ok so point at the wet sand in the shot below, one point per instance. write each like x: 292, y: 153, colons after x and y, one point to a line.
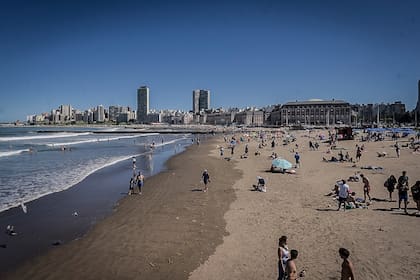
x: 162, y: 234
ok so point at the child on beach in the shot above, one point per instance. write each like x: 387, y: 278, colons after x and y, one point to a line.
x: 140, y: 181
x: 346, y: 267
x: 132, y: 184
x: 291, y: 270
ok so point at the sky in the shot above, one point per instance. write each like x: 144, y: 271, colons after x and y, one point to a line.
x: 247, y: 53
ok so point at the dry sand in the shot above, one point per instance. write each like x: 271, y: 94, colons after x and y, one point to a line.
x: 383, y: 243
x: 231, y: 232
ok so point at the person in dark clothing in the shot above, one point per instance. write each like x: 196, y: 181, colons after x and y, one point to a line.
x: 206, y: 179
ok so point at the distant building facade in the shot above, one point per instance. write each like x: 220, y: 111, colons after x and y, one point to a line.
x: 250, y: 118
x: 316, y: 112
x: 142, y: 104
x: 220, y: 118
x: 201, y: 100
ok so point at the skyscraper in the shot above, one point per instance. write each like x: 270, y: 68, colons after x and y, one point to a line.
x: 418, y: 98
x: 142, y: 104
x: 201, y: 100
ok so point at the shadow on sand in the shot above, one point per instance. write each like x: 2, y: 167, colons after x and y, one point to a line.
x: 326, y: 209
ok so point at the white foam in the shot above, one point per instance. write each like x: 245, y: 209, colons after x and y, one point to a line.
x: 170, y: 142
x: 107, y: 139
x: 79, y: 174
x: 48, y: 136
x: 12, y: 153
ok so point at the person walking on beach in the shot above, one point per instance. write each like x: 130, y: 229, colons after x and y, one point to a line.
x: 140, y: 181
x: 132, y: 184
x: 390, y: 185
x: 347, y: 272
x: 397, y: 149
x: 206, y: 179
x: 358, y: 153
x: 222, y: 152
x: 297, y: 159
x: 415, y: 191
x: 343, y: 194
x: 311, y: 146
x: 284, y: 255
x: 403, y: 190
x: 246, y: 149
x: 366, y: 187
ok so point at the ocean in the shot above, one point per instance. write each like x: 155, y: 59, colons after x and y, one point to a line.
x: 37, y: 161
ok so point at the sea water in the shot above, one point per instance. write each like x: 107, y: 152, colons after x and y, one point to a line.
x: 37, y: 161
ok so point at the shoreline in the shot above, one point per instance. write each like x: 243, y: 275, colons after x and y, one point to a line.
x: 51, y: 218
x: 231, y: 232
x: 172, y: 217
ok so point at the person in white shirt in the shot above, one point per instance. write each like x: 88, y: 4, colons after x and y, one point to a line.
x: 343, y: 193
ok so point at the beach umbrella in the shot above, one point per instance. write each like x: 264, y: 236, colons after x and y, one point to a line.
x: 281, y: 163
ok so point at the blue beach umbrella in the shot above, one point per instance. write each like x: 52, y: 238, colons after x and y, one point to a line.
x: 281, y: 163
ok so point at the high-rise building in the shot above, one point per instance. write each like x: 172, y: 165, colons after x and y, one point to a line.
x: 100, y: 114
x: 65, y: 112
x: 418, y: 98
x: 201, y: 100
x: 142, y: 104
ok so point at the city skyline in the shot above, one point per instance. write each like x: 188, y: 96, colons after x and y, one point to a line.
x: 87, y: 53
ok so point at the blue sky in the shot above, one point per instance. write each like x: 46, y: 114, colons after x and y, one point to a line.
x: 247, y: 53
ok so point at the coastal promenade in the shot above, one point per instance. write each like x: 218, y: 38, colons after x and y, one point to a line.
x: 176, y: 231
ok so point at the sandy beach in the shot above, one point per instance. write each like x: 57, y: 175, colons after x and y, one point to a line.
x: 175, y: 231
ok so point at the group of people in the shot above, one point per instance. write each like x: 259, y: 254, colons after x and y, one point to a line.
x: 288, y: 270
x: 136, y: 181
x: 403, y: 187
x: 345, y: 196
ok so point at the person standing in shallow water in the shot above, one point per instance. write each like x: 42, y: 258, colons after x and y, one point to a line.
x: 347, y: 272
x: 206, y: 179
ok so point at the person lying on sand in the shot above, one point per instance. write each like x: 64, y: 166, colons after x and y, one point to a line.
x: 353, y: 178
x: 333, y: 159
x: 381, y: 154
x: 372, y: 167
